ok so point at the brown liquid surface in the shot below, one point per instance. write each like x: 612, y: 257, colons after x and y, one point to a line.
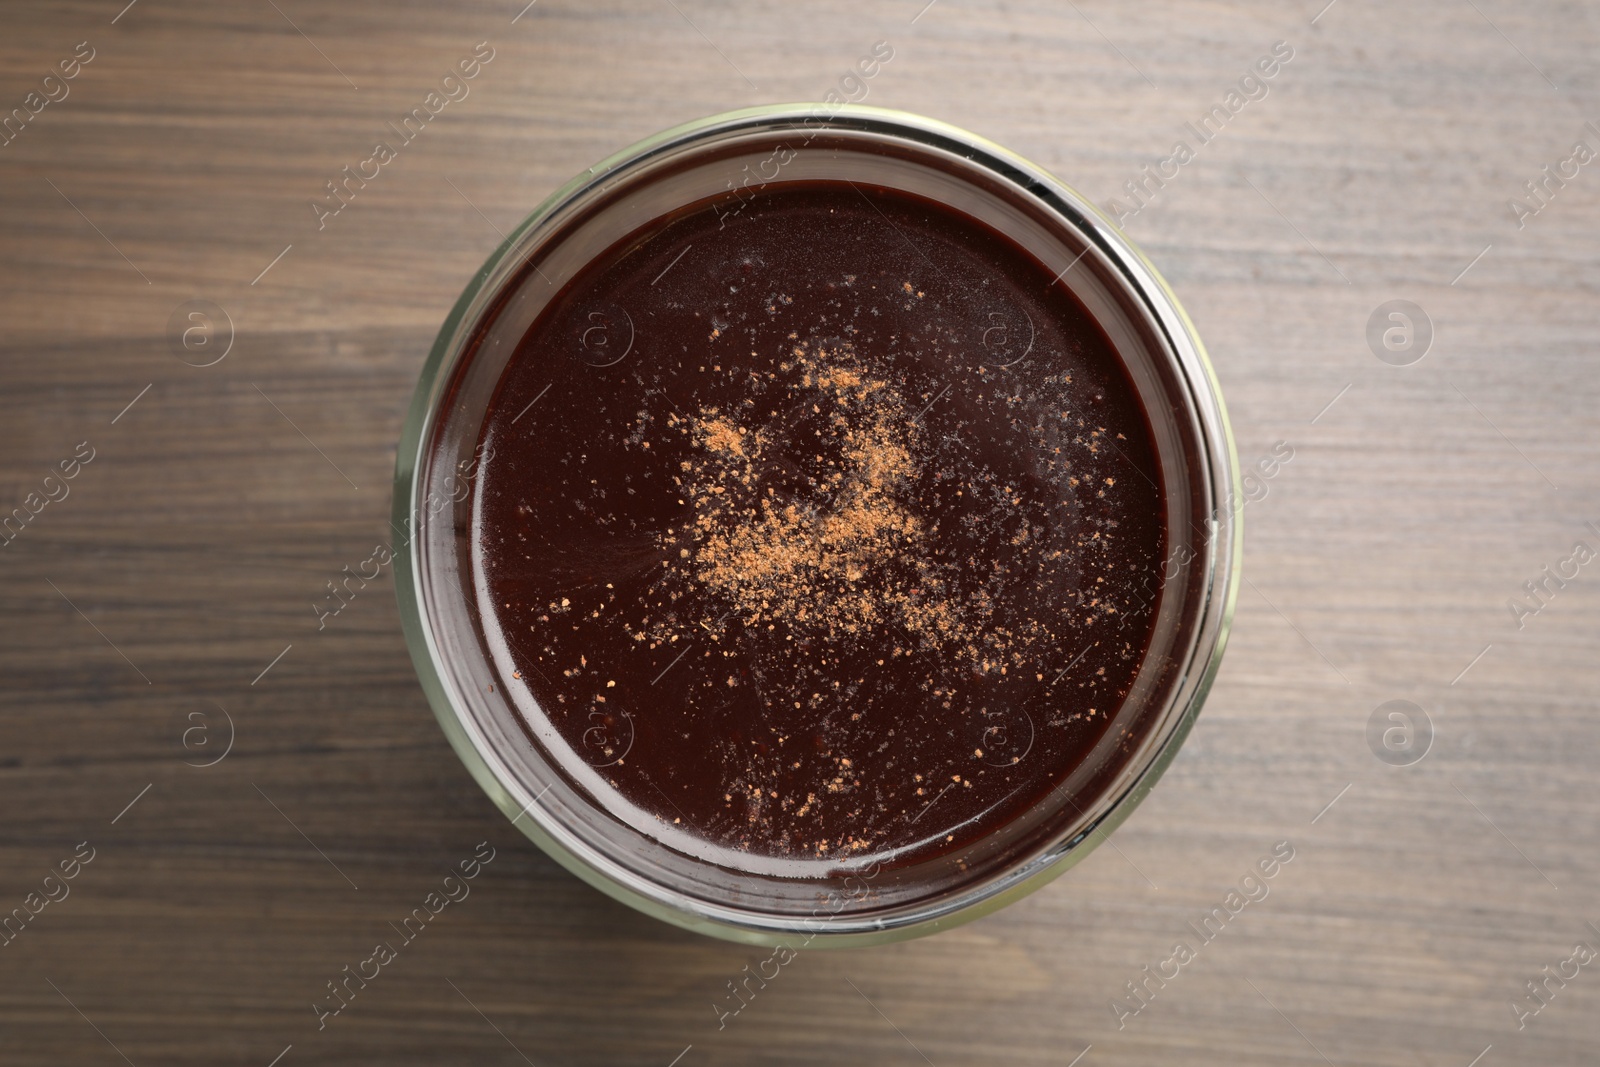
x: 828, y: 531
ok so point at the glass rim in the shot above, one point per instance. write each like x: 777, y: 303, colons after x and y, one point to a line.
x: 1121, y: 265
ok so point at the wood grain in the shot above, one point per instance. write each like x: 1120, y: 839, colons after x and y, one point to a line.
x: 189, y: 551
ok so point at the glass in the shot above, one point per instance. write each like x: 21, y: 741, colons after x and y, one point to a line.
x: 740, y: 153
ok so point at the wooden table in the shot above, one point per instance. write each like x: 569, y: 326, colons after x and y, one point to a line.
x: 170, y: 590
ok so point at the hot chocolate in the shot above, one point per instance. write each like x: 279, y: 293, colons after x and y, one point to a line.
x: 825, y: 531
